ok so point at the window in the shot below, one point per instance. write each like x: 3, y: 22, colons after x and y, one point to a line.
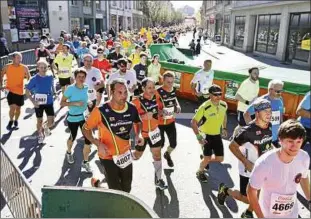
x: 228, y: 2
x: 299, y: 30
x: 227, y: 29
x: 218, y: 2
x: 74, y: 2
x: 268, y: 33
x: 87, y: 3
x: 114, y: 3
x: 27, y: 2
x: 97, y: 2
x: 239, y: 31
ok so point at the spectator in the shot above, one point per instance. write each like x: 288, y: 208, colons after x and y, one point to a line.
x: 154, y: 69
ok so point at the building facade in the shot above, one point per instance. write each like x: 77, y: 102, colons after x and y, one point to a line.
x: 138, y: 16
x: 275, y: 29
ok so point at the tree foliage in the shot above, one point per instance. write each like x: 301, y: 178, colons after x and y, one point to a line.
x: 158, y: 14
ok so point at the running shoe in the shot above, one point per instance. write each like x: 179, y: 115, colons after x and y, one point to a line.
x: 201, y: 176
x: 222, y: 193
x: 87, y: 167
x: 40, y: 138
x: 70, y: 159
x: 169, y: 160
x: 95, y: 182
x: 47, y: 131
x: 16, y: 124
x: 160, y: 184
x: 247, y: 214
x: 207, y: 166
x: 9, y: 126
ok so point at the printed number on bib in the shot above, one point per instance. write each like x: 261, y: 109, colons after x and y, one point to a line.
x: 64, y: 71
x: 41, y: 99
x: 123, y: 160
x: 282, y: 205
x: 168, y: 112
x: 276, y: 117
x: 91, y: 94
x: 155, y: 136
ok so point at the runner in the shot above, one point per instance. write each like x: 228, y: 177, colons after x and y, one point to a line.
x: 154, y: 69
x: 148, y: 106
x: 245, y: 95
x: 15, y: 73
x: 94, y: 81
x: 209, y: 124
x: 76, y: 98
x: 202, y: 81
x: 102, y: 63
x: 63, y: 63
x: 40, y: 91
x: 141, y: 71
x: 250, y: 143
x: 135, y: 57
x: 114, y: 121
x: 128, y: 75
x: 167, y: 94
x: 115, y: 56
x: 277, y: 175
x: 52, y: 50
x: 42, y: 53
x: 275, y: 88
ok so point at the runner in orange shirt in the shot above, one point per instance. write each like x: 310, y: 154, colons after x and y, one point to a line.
x: 167, y: 95
x: 149, y: 106
x: 114, y: 121
x: 15, y: 75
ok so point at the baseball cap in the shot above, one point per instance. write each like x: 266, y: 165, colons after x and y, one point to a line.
x: 215, y: 90
x: 261, y: 104
x: 68, y: 46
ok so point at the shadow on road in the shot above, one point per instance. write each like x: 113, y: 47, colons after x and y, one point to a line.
x: 31, y: 146
x: 208, y: 190
x: 71, y: 174
x: 29, y: 112
x: 6, y: 137
x: 162, y: 205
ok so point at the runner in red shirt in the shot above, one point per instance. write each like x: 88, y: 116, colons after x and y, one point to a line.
x: 102, y: 63
x: 109, y: 43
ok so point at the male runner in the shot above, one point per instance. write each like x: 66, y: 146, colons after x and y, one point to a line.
x: 15, y: 73
x: 278, y: 173
x: 209, y: 124
x: 141, y: 71
x: 167, y: 94
x: 114, y: 121
x: 251, y: 142
x: 148, y: 106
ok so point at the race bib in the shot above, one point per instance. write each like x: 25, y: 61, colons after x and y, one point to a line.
x: 275, y: 118
x: 155, y: 136
x: 41, y: 99
x: 204, y: 89
x: 168, y: 112
x: 91, y: 94
x: 123, y: 160
x: 282, y: 205
x: 64, y: 71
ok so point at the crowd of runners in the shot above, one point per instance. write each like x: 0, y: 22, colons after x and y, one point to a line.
x: 115, y: 96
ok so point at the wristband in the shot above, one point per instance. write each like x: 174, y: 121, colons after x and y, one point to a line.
x: 199, y: 137
x: 246, y: 102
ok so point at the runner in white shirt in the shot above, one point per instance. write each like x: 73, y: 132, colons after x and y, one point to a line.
x: 128, y: 75
x: 277, y: 174
x: 94, y: 80
x: 202, y: 81
x: 246, y: 94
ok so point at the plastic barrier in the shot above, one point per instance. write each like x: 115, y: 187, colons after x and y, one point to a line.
x: 74, y: 202
x: 16, y: 191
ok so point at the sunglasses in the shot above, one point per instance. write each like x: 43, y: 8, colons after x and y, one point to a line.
x: 87, y: 60
x: 122, y: 66
x: 217, y: 94
x: 278, y: 91
x: 100, y: 52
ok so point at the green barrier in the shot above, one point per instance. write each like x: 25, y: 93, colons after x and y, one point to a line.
x: 168, y: 51
x: 293, y: 88
x: 186, y: 52
x: 74, y: 202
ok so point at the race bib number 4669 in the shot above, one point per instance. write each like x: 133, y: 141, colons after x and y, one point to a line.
x: 282, y: 205
x: 123, y: 160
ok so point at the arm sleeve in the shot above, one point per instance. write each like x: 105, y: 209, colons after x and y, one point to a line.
x: 242, y: 89
x: 199, y: 114
x: 306, y: 164
x: 258, y: 174
x: 305, y: 103
x: 136, y: 118
x: 67, y: 92
x: 94, y: 119
x: 242, y: 137
x: 195, y: 78
x: 251, y: 110
x: 31, y: 84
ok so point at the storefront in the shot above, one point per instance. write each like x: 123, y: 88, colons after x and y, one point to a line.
x: 239, y: 31
x: 28, y: 20
x: 298, y: 36
x: 268, y: 33
x: 227, y: 29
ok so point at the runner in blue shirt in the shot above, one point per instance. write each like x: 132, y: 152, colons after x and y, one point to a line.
x: 39, y: 90
x: 76, y: 98
x: 275, y: 88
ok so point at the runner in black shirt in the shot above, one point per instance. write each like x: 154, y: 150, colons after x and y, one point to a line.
x: 141, y: 70
x: 115, y: 56
x: 248, y: 145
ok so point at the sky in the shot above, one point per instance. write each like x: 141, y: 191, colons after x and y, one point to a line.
x: 195, y: 4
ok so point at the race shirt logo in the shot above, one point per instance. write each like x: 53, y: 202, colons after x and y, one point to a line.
x: 298, y: 178
x: 111, y: 119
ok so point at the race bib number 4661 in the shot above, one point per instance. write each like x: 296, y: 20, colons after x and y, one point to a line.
x: 282, y: 205
x: 123, y: 160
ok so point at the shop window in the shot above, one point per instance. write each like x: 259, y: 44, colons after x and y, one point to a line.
x: 87, y: 3
x: 268, y: 33
x: 239, y: 31
x: 97, y: 3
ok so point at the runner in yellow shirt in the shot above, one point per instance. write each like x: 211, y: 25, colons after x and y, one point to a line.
x: 135, y: 57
